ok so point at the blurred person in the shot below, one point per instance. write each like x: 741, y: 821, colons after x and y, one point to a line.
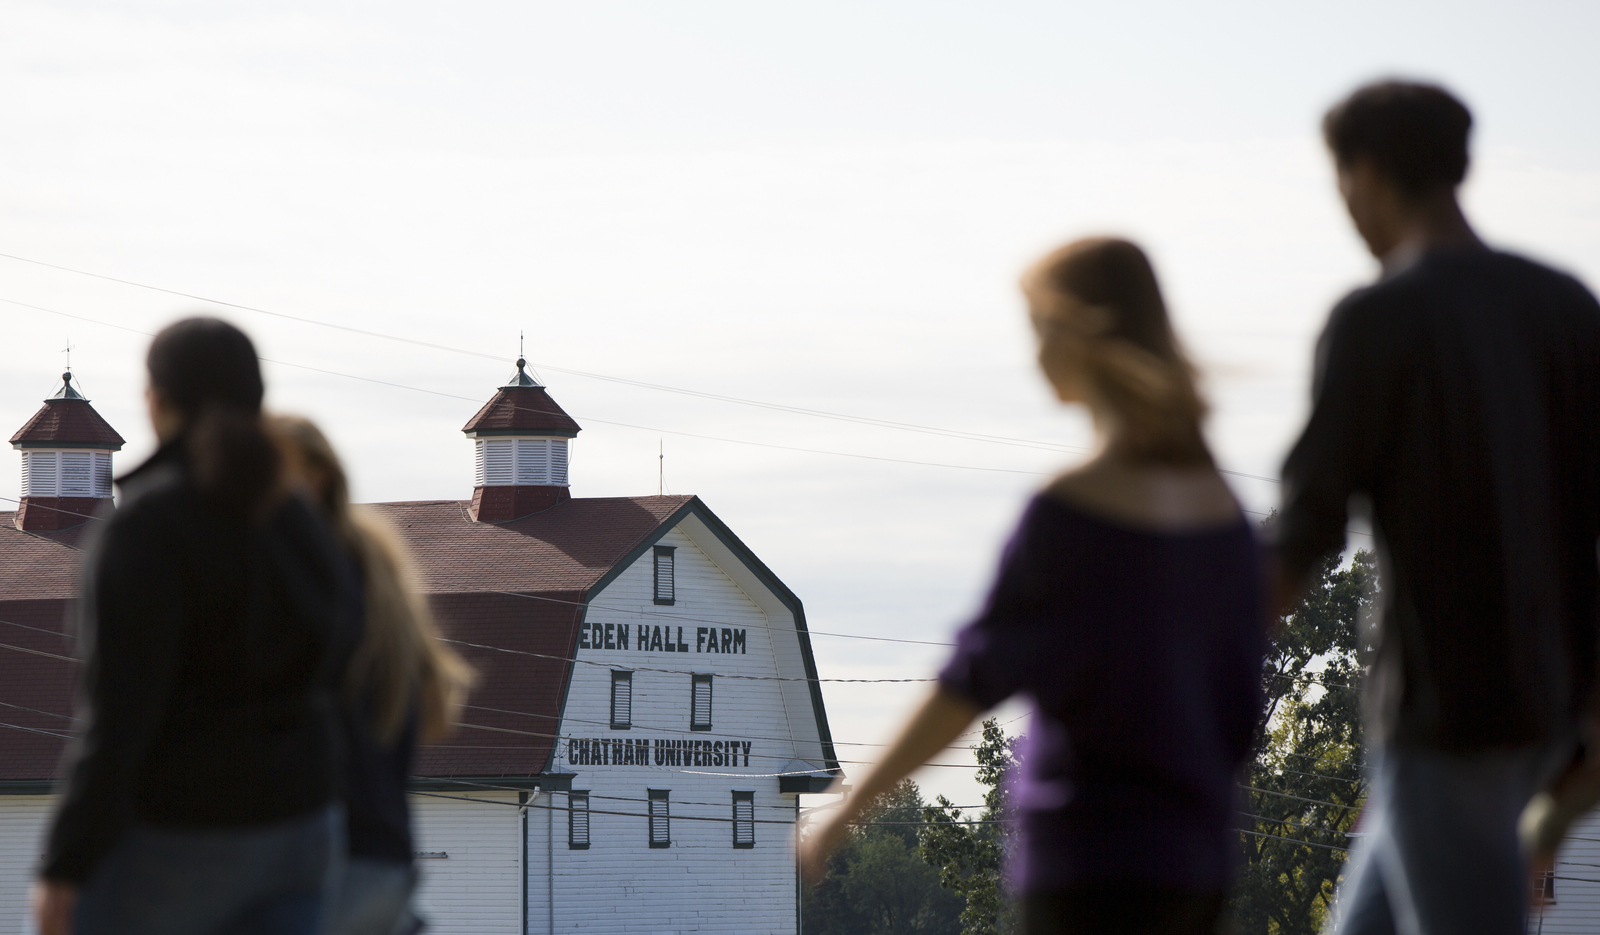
x: 216, y: 614
x: 1454, y: 403
x: 1129, y: 610
x: 402, y: 685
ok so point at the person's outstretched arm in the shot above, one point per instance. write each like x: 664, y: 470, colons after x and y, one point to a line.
x: 940, y: 720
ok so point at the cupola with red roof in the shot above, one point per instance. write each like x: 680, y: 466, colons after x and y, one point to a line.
x: 66, y: 461
x: 522, y: 440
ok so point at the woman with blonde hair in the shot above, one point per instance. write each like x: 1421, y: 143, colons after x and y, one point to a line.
x: 1128, y: 611
x: 402, y: 686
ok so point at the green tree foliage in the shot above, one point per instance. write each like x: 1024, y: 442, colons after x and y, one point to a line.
x: 877, y: 884
x: 969, y: 853
x: 1307, y: 776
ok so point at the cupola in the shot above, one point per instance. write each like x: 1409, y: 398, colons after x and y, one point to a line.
x: 66, y: 461
x: 522, y: 439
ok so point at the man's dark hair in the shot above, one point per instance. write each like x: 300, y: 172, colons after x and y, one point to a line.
x: 1415, y: 134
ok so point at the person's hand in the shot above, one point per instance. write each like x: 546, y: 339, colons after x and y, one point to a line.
x: 821, y: 839
x: 53, y: 903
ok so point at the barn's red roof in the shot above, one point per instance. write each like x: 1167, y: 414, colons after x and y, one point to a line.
x: 517, y: 587
x: 66, y: 419
x: 522, y: 406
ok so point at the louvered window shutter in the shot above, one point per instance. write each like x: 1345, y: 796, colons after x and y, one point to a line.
x: 558, y: 462
x: 42, y: 474
x: 578, y: 820
x: 533, y: 461
x: 102, y: 474
x: 478, y: 472
x: 621, y: 700
x: 660, y: 830
x: 26, y: 490
x: 77, y: 474
x: 744, y: 819
x: 666, y: 586
x: 700, y: 704
x: 497, y: 459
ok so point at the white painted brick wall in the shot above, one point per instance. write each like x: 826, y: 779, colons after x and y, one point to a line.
x: 22, y: 825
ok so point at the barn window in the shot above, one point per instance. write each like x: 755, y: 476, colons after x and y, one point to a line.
x: 700, y: 702
x: 666, y: 590
x: 1546, y: 894
x: 621, y: 700
x: 578, y: 821
x: 744, y: 819
x: 660, y: 831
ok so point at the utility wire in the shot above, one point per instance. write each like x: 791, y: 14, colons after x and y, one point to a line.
x: 865, y: 420
x: 666, y: 616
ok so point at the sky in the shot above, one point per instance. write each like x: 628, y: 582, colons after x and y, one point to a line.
x: 822, y: 206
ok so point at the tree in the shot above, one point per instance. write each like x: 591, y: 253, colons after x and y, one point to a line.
x: 876, y: 883
x: 1306, y: 780
x: 968, y: 853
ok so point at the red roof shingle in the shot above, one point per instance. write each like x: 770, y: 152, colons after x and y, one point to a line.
x: 514, y: 586
x: 67, y: 421
x: 521, y: 409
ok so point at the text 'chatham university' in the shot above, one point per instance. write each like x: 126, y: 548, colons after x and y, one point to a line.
x: 660, y: 639
x: 640, y: 751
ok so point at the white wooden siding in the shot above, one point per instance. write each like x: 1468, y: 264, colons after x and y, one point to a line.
x: 701, y: 883
x: 477, y: 889
x: 22, y: 821
x: 1577, y: 907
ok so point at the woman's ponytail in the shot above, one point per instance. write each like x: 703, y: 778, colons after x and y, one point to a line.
x: 1100, y: 303
x: 207, y: 370
x: 233, y: 462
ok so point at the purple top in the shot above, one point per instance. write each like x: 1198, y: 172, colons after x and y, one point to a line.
x: 1141, y: 652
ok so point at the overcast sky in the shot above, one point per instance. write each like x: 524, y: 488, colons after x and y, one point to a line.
x: 822, y: 206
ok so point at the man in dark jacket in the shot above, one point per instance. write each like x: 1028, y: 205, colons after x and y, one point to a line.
x: 1455, y: 402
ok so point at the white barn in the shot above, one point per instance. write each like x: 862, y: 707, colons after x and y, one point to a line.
x: 647, y: 717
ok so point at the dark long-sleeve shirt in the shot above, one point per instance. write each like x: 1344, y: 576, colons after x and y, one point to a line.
x: 1141, y: 653
x: 1460, y: 398
x: 211, y: 647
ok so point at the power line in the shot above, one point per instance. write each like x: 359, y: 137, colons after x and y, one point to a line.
x: 1279, y: 837
x: 608, y: 665
x: 37, y: 652
x: 665, y: 616
x: 1285, y: 795
x: 865, y: 420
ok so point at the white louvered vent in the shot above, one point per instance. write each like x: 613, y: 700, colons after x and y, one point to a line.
x: 66, y: 474
x: 558, y: 462
x: 498, y: 456
x: 42, y: 474
x: 621, y: 700
x: 529, y: 462
x: 77, y: 474
x: 533, y: 460
x: 744, y: 819
x: 578, y: 820
x: 102, y: 474
x: 700, y: 702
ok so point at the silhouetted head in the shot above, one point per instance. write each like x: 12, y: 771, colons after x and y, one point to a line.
x: 206, y: 390
x: 1413, y: 134
x: 1104, y: 339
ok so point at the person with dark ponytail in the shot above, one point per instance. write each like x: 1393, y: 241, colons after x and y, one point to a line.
x: 217, y: 614
x: 1129, y: 610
